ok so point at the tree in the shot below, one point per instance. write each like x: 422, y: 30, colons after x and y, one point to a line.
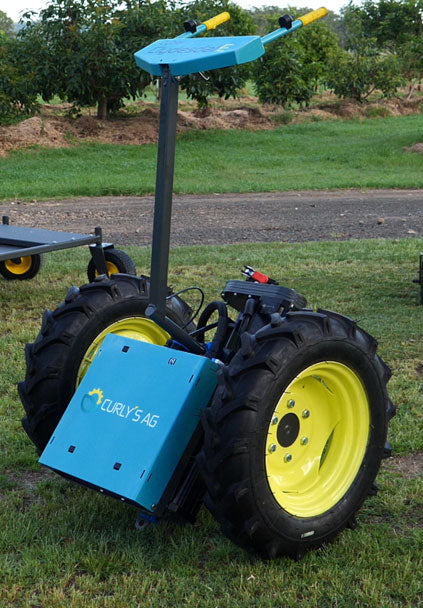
x: 394, y: 26
x: 412, y: 65
x: 17, y: 91
x: 356, y: 75
x: 390, y: 22
x: 83, y: 50
x: 6, y: 24
x: 363, y: 67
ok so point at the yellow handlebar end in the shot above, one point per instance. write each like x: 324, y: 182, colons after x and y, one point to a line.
x: 212, y: 23
x: 314, y: 15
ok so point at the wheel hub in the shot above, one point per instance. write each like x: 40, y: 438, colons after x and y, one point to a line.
x: 288, y: 430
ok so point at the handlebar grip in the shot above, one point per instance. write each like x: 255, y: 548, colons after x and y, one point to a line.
x: 212, y: 23
x: 313, y: 15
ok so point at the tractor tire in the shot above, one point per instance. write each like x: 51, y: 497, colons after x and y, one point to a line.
x: 117, y: 261
x: 21, y: 268
x: 295, y: 433
x: 71, y: 335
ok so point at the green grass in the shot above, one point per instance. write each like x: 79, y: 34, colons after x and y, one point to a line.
x: 367, y: 154
x: 62, y: 545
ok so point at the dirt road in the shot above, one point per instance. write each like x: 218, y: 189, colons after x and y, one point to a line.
x: 234, y: 218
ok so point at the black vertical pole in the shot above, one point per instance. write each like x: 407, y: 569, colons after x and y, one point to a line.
x: 164, y: 187
x: 156, y: 309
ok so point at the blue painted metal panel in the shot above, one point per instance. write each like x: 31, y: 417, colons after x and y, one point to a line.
x: 131, y: 418
x: 191, y: 55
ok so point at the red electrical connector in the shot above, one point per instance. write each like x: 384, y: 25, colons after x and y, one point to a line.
x: 256, y: 276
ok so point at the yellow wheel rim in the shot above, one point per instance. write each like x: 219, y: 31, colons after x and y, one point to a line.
x: 20, y: 267
x: 111, y: 269
x: 137, y: 328
x: 317, y: 438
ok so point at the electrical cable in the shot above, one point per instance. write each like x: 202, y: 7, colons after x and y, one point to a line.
x: 203, y: 330
x: 219, y: 338
x: 194, y: 287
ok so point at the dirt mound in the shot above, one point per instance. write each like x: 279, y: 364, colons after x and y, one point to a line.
x: 243, y: 117
x: 53, y: 127
x: 415, y: 148
x: 33, y: 131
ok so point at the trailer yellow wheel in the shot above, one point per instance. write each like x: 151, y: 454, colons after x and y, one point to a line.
x: 117, y: 261
x: 21, y: 268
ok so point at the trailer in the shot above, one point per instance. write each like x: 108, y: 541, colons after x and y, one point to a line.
x: 22, y: 250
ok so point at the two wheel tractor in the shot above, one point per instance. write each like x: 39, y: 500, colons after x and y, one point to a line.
x: 278, y: 424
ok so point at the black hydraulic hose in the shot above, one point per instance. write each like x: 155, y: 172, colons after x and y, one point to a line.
x: 220, y: 335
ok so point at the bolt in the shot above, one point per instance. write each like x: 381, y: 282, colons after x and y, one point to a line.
x: 291, y: 403
x: 288, y: 458
x: 272, y: 448
x: 153, y: 507
x: 304, y: 440
x: 275, y: 420
x: 305, y: 414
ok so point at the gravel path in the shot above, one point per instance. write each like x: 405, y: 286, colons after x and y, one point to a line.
x: 236, y: 218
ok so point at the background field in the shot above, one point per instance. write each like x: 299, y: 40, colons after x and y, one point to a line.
x: 63, y: 545
x: 321, y: 155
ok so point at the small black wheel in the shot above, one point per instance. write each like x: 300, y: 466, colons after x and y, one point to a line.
x: 117, y: 262
x: 296, y: 432
x: 70, y: 337
x: 21, y: 268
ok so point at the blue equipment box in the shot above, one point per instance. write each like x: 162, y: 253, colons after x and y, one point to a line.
x: 131, y: 419
x: 190, y: 55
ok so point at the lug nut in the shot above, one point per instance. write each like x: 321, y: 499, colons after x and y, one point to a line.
x: 305, y: 414
x: 304, y: 440
x: 288, y: 458
x: 275, y: 420
x: 291, y: 403
x: 272, y: 448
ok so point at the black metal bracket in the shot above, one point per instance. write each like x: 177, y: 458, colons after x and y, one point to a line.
x: 97, y: 252
x: 176, y: 332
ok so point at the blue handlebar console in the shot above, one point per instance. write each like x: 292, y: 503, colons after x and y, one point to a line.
x: 190, y: 55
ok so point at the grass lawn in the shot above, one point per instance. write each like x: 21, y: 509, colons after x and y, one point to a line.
x: 63, y: 545
x: 334, y: 154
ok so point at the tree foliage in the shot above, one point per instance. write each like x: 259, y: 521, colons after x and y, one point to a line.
x: 82, y: 50
x: 17, y: 90
x: 356, y: 75
x: 7, y: 26
x: 390, y: 23
x: 385, y: 40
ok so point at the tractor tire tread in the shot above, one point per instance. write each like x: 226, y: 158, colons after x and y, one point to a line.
x: 230, y: 420
x: 51, y: 358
